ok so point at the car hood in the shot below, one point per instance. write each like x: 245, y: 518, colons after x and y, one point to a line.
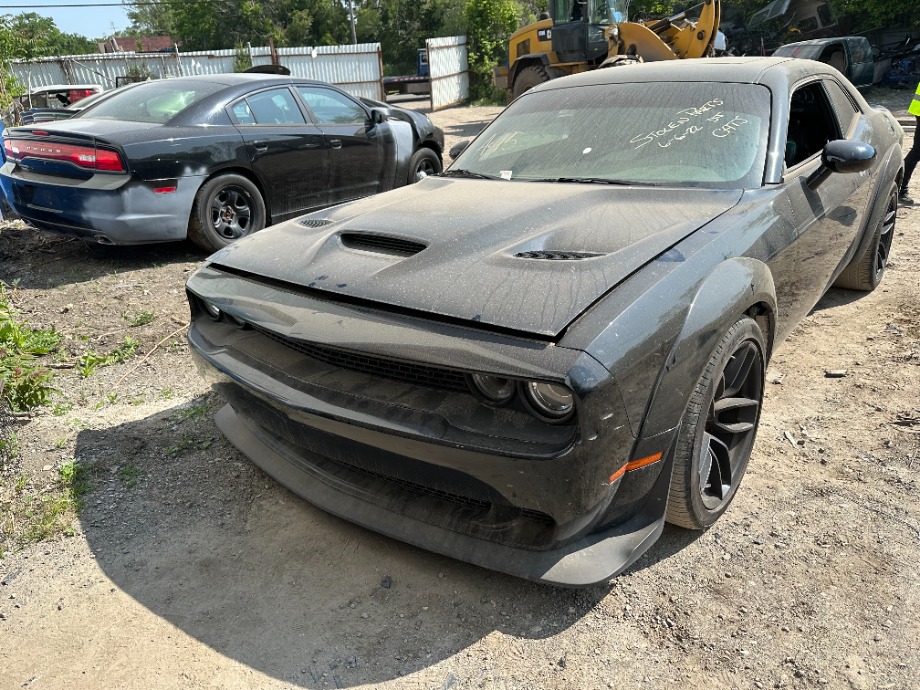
x: 481, y: 251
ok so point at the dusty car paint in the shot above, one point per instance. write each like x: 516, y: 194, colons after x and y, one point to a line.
x: 629, y: 333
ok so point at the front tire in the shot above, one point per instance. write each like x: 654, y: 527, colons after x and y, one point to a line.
x: 866, y: 272
x: 528, y: 78
x: 227, y: 208
x: 718, y: 428
x: 424, y: 162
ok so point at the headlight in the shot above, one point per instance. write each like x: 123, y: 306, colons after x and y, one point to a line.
x: 550, y: 399
x: 211, y: 309
x: 495, y: 389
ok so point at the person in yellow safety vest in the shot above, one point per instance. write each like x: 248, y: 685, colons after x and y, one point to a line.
x: 910, y: 160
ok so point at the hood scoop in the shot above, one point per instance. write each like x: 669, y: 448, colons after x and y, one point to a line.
x: 556, y: 255
x: 315, y: 222
x: 380, y: 244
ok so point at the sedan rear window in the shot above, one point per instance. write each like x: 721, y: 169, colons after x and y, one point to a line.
x: 157, y: 101
x: 662, y: 133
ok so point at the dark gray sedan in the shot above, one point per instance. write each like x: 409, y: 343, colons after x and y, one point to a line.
x: 534, y: 360
x: 213, y: 158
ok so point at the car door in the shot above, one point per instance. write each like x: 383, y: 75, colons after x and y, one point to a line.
x: 862, y: 66
x: 357, y: 146
x: 826, y: 213
x: 289, y: 154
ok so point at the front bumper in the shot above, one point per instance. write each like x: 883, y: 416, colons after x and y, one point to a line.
x: 589, y: 560
x: 433, y: 467
x: 110, y: 209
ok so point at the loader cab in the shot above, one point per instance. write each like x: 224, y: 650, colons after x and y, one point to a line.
x: 579, y: 27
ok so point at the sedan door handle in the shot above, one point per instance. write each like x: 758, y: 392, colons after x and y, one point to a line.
x: 261, y: 146
x: 335, y: 143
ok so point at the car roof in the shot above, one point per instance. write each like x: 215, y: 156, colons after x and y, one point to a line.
x: 748, y: 70
x: 238, y: 78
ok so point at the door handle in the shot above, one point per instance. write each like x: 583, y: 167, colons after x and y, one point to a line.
x: 261, y: 146
x: 335, y: 143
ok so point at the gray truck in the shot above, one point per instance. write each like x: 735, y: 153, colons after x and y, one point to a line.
x: 851, y: 55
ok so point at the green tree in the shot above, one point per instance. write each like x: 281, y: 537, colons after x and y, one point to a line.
x: 489, y: 24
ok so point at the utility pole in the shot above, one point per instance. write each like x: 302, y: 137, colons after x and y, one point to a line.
x: 351, y: 16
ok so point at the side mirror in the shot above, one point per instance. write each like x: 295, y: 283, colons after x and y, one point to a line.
x: 458, y: 148
x: 378, y: 115
x: 845, y: 156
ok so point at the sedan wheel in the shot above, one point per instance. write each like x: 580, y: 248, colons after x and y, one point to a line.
x: 718, y: 429
x: 227, y: 208
x: 424, y: 162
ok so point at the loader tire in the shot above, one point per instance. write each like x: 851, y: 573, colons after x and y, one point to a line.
x: 528, y: 78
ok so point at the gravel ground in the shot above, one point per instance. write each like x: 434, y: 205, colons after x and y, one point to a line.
x: 189, y: 568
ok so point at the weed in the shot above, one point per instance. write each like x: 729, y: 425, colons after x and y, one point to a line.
x: 167, y: 394
x: 27, y: 382
x: 61, y: 408
x: 191, y: 412
x: 89, y: 362
x: 61, y: 443
x: 31, y: 513
x: 138, y: 318
x: 129, y: 475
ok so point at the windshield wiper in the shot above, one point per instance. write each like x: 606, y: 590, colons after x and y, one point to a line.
x: 599, y: 180
x: 460, y: 172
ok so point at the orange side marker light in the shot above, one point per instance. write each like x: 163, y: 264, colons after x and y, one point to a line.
x: 635, y: 465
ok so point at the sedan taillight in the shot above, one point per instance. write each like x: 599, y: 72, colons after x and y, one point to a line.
x: 87, y: 157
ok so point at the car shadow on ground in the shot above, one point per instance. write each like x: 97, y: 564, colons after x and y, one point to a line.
x: 188, y: 527
x: 28, y: 255
x: 836, y: 297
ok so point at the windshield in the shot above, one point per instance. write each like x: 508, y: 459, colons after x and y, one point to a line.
x: 155, y: 101
x: 661, y: 133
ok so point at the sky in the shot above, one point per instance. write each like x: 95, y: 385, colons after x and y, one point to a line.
x: 92, y: 22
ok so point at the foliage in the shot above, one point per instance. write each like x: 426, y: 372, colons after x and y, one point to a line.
x: 30, y: 35
x: 489, y: 24
x: 27, y: 384
x: 88, y: 362
x: 874, y: 14
x: 242, y: 60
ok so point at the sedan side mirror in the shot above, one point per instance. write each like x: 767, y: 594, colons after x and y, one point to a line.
x: 378, y: 115
x: 458, y: 148
x: 846, y: 156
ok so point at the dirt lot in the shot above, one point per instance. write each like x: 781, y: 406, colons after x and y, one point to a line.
x: 189, y: 568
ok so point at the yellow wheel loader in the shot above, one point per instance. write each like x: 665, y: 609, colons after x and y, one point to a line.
x: 580, y: 35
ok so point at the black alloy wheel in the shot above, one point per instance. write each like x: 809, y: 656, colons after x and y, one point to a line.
x: 718, y: 429
x: 227, y: 208
x: 424, y: 162
x: 231, y: 215
x: 866, y: 271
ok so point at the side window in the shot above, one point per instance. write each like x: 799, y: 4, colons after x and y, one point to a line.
x: 812, y: 124
x: 843, y: 106
x: 859, y: 50
x: 332, y: 108
x: 242, y: 113
x: 272, y: 107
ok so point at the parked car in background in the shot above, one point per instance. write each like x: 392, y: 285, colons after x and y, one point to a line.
x: 850, y: 55
x: 53, y: 99
x: 533, y: 360
x: 212, y: 158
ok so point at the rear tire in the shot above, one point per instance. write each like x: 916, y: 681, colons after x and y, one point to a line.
x: 718, y: 428
x: 227, y: 208
x: 866, y: 272
x: 424, y: 162
x: 528, y: 78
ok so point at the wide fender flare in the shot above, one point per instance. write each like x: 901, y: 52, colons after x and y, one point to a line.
x: 737, y: 286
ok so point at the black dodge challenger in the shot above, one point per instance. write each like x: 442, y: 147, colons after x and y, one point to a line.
x: 535, y: 359
x: 213, y: 158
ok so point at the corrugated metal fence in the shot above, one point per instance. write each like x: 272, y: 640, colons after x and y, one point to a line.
x: 449, y: 71
x: 355, y: 68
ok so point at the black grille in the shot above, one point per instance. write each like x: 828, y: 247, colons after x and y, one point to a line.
x: 549, y: 255
x: 378, y: 366
x: 381, y: 244
x: 315, y: 222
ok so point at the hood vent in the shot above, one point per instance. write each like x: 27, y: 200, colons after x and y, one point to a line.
x: 381, y: 244
x: 550, y: 255
x: 315, y: 222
